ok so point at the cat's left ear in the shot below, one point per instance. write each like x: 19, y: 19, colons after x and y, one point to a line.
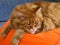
x: 39, y: 13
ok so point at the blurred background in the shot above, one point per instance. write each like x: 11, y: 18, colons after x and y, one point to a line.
x: 6, y: 7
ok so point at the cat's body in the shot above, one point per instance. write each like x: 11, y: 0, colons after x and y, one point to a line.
x: 33, y: 18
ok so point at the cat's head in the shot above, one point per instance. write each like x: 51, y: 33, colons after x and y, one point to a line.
x: 23, y: 18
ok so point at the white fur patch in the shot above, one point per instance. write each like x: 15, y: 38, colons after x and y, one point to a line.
x: 34, y: 29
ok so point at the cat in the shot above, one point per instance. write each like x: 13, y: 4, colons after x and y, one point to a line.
x: 33, y: 18
x: 23, y: 20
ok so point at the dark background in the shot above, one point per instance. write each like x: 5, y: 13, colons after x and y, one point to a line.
x: 6, y: 7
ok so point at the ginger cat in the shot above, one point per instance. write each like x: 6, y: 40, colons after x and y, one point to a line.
x: 33, y: 18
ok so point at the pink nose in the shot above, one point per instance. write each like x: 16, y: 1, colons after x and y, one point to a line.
x: 32, y: 31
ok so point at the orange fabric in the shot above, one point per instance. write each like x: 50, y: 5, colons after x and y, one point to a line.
x: 44, y: 38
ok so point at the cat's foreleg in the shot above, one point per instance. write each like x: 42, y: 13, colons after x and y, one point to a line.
x: 17, y: 36
x: 5, y: 31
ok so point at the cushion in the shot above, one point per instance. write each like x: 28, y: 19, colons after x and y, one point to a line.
x: 43, y: 38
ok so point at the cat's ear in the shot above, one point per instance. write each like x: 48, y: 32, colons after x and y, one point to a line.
x: 39, y: 13
x: 31, y: 5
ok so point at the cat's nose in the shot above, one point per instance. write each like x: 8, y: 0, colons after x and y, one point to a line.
x: 32, y: 31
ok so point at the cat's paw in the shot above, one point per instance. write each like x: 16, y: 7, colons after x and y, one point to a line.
x: 3, y: 35
x: 15, y: 42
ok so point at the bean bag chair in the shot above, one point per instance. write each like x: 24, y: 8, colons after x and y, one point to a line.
x: 44, y: 38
